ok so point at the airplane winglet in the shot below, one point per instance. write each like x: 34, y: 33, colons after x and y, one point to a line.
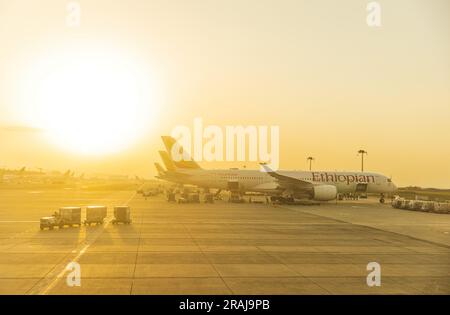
x: 266, y: 168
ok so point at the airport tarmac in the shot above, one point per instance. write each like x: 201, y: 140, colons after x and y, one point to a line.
x: 221, y: 248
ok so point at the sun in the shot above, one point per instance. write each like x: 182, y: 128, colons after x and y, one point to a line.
x: 92, y: 103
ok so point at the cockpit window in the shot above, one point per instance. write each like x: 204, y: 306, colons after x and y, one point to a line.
x: 389, y: 180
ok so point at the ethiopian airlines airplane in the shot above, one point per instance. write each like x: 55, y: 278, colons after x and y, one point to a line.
x: 281, y: 185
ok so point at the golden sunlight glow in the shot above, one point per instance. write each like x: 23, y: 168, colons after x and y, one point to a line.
x: 91, y: 104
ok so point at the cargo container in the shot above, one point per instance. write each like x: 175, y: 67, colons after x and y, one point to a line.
x: 194, y: 197
x: 70, y: 216
x: 171, y: 197
x: 189, y: 198
x: 397, y: 202
x: 236, y: 197
x: 95, y: 214
x: 417, y: 204
x: 209, y: 198
x: 410, y: 204
x: 122, y: 214
x: 428, y: 206
x: 404, y: 204
x: 441, y: 207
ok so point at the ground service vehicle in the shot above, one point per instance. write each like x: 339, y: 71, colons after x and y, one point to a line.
x: 235, y: 197
x: 150, y: 192
x: 48, y: 222
x: 209, y: 198
x: 189, y: 198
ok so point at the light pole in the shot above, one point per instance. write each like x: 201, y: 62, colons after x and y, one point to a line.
x: 362, y: 152
x: 310, y: 159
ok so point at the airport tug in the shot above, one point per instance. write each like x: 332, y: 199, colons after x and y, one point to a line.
x: 66, y: 216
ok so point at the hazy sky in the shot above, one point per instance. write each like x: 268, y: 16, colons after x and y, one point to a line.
x: 315, y: 68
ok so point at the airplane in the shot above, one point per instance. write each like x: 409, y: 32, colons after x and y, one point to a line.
x: 39, y: 175
x: 171, y: 173
x: 69, y: 173
x: 280, y: 185
x: 11, y: 175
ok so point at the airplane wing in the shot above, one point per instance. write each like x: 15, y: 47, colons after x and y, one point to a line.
x: 285, y: 181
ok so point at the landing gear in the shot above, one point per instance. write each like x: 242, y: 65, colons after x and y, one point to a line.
x: 382, y: 198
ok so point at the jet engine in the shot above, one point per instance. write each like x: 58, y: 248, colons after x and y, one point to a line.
x: 324, y: 192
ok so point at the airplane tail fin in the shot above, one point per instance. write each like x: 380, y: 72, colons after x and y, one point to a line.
x: 159, y: 169
x: 168, y: 142
x: 168, y: 163
x: 187, y: 163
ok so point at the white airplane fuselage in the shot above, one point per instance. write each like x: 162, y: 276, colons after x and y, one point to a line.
x: 259, y: 181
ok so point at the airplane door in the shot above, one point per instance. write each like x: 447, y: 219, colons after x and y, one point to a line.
x: 361, y: 187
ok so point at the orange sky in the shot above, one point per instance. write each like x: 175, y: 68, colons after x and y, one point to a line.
x: 332, y: 84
